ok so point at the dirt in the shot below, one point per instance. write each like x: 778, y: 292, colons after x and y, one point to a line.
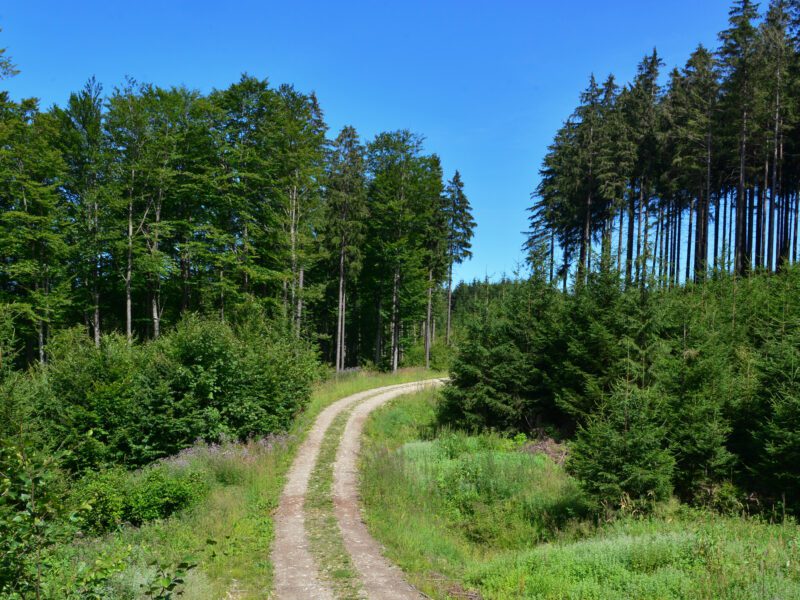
x: 548, y: 446
x: 296, y: 572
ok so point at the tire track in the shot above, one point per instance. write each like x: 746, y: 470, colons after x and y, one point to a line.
x: 297, y: 575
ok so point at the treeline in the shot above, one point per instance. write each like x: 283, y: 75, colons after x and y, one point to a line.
x: 692, y: 390
x: 122, y: 212
x: 696, y: 175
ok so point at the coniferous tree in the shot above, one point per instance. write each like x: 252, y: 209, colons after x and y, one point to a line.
x: 460, y: 229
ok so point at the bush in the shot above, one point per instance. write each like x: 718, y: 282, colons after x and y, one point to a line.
x: 620, y: 456
x: 101, y: 499
x: 130, y: 405
x: 109, y: 498
x: 157, y: 493
x: 32, y: 515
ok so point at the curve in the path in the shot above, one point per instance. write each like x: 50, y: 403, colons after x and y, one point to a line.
x: 296, y: 572
x: 381, y: 579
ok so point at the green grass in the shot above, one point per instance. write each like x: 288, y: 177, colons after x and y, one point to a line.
x: 460, y: 512
x: 323, y: 529
x: 236, y: 514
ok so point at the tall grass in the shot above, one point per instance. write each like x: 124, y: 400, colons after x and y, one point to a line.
x: 461, y: 513
x: 245, y: 484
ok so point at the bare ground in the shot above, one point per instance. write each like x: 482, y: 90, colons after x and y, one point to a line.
x: 296, y: 572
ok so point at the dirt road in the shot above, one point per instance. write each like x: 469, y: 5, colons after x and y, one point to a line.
x: 297, y: 575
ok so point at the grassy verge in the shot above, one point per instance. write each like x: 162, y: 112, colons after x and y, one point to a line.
x: 476, y: 513
x: 245, y: 481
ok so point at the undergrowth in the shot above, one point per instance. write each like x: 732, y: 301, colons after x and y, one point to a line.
x: 459, y: 512
x: 224, y: 531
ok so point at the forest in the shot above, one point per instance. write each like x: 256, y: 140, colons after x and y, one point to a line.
x: 123, y: 212
x: 662, y: 313
x: 681, y: 173
x: 180, y: 268
x: 201, y: 291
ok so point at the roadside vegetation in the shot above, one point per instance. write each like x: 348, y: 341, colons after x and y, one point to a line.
x: 192, y: 515
x: 493, y: 515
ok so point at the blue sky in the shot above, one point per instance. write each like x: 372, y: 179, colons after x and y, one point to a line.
x: 487, y: 83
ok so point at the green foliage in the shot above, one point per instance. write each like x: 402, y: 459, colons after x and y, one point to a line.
x: 122, y: 404
x: 168, y: 579
x: 32, y: 515
x: 109, y: 498
x: 620, y: 456
x: 675, y: 552
x: 711, y: 367
x: 157, y: 493
x: 501, y: 375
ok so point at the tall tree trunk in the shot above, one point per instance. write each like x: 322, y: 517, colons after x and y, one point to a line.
x: 646, y: 241
x: 796, y: 226
x: 156, y: 295
x: 340, y: 312
x: 129, y: 275
x: 689, y: 242
x: 629, y: 249
x: 395, y: 330
x: 751, y: 214
x: 657, y: 242
x: 725, y: 236
x: 761, y: 218
x: 718, y: 196
x: 619, y: 239
x: 95, y: 276
x: 449, y: 302
x: 379, y: 332
x: 741, y: 262
x: 583, y: 261
x: 731, y: 237
x: 300, y: 279
x: 638, y: 269
x: 428, y: 321
x: 678, y: 236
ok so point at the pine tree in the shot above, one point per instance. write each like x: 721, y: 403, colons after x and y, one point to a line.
x: 460, y: 230
x: 737, y: 57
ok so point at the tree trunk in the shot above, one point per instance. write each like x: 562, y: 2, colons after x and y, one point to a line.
x: 619, y: 239
x: 689, y: 242
x: 428, y: 321
x: 725, y: 236
x: 128, y: 275
x: 657, y: 242
x: 395, y: 330
x: 96, y: 278
x: 340, y: 312
x: 638, y: 269
x: 796, y: 226
x: 449, y: 302
x: 300, y: 278
x: 379, y: 332
x: 678, y: 235
x: 583, y: 261
x: 629, y: 249
x: 741, y: 262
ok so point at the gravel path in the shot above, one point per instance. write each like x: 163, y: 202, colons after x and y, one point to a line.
x: 296, y: 573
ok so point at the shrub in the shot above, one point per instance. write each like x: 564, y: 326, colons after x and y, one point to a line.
x: 108, y: 498
x: 31, y: 515
x: 130, y: 405
x: 101, y: 499
x: 157, y: 493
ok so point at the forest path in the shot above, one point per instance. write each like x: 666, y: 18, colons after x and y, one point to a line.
x: 297, y: 575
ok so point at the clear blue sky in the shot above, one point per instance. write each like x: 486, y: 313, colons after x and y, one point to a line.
x: 487, y: 83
